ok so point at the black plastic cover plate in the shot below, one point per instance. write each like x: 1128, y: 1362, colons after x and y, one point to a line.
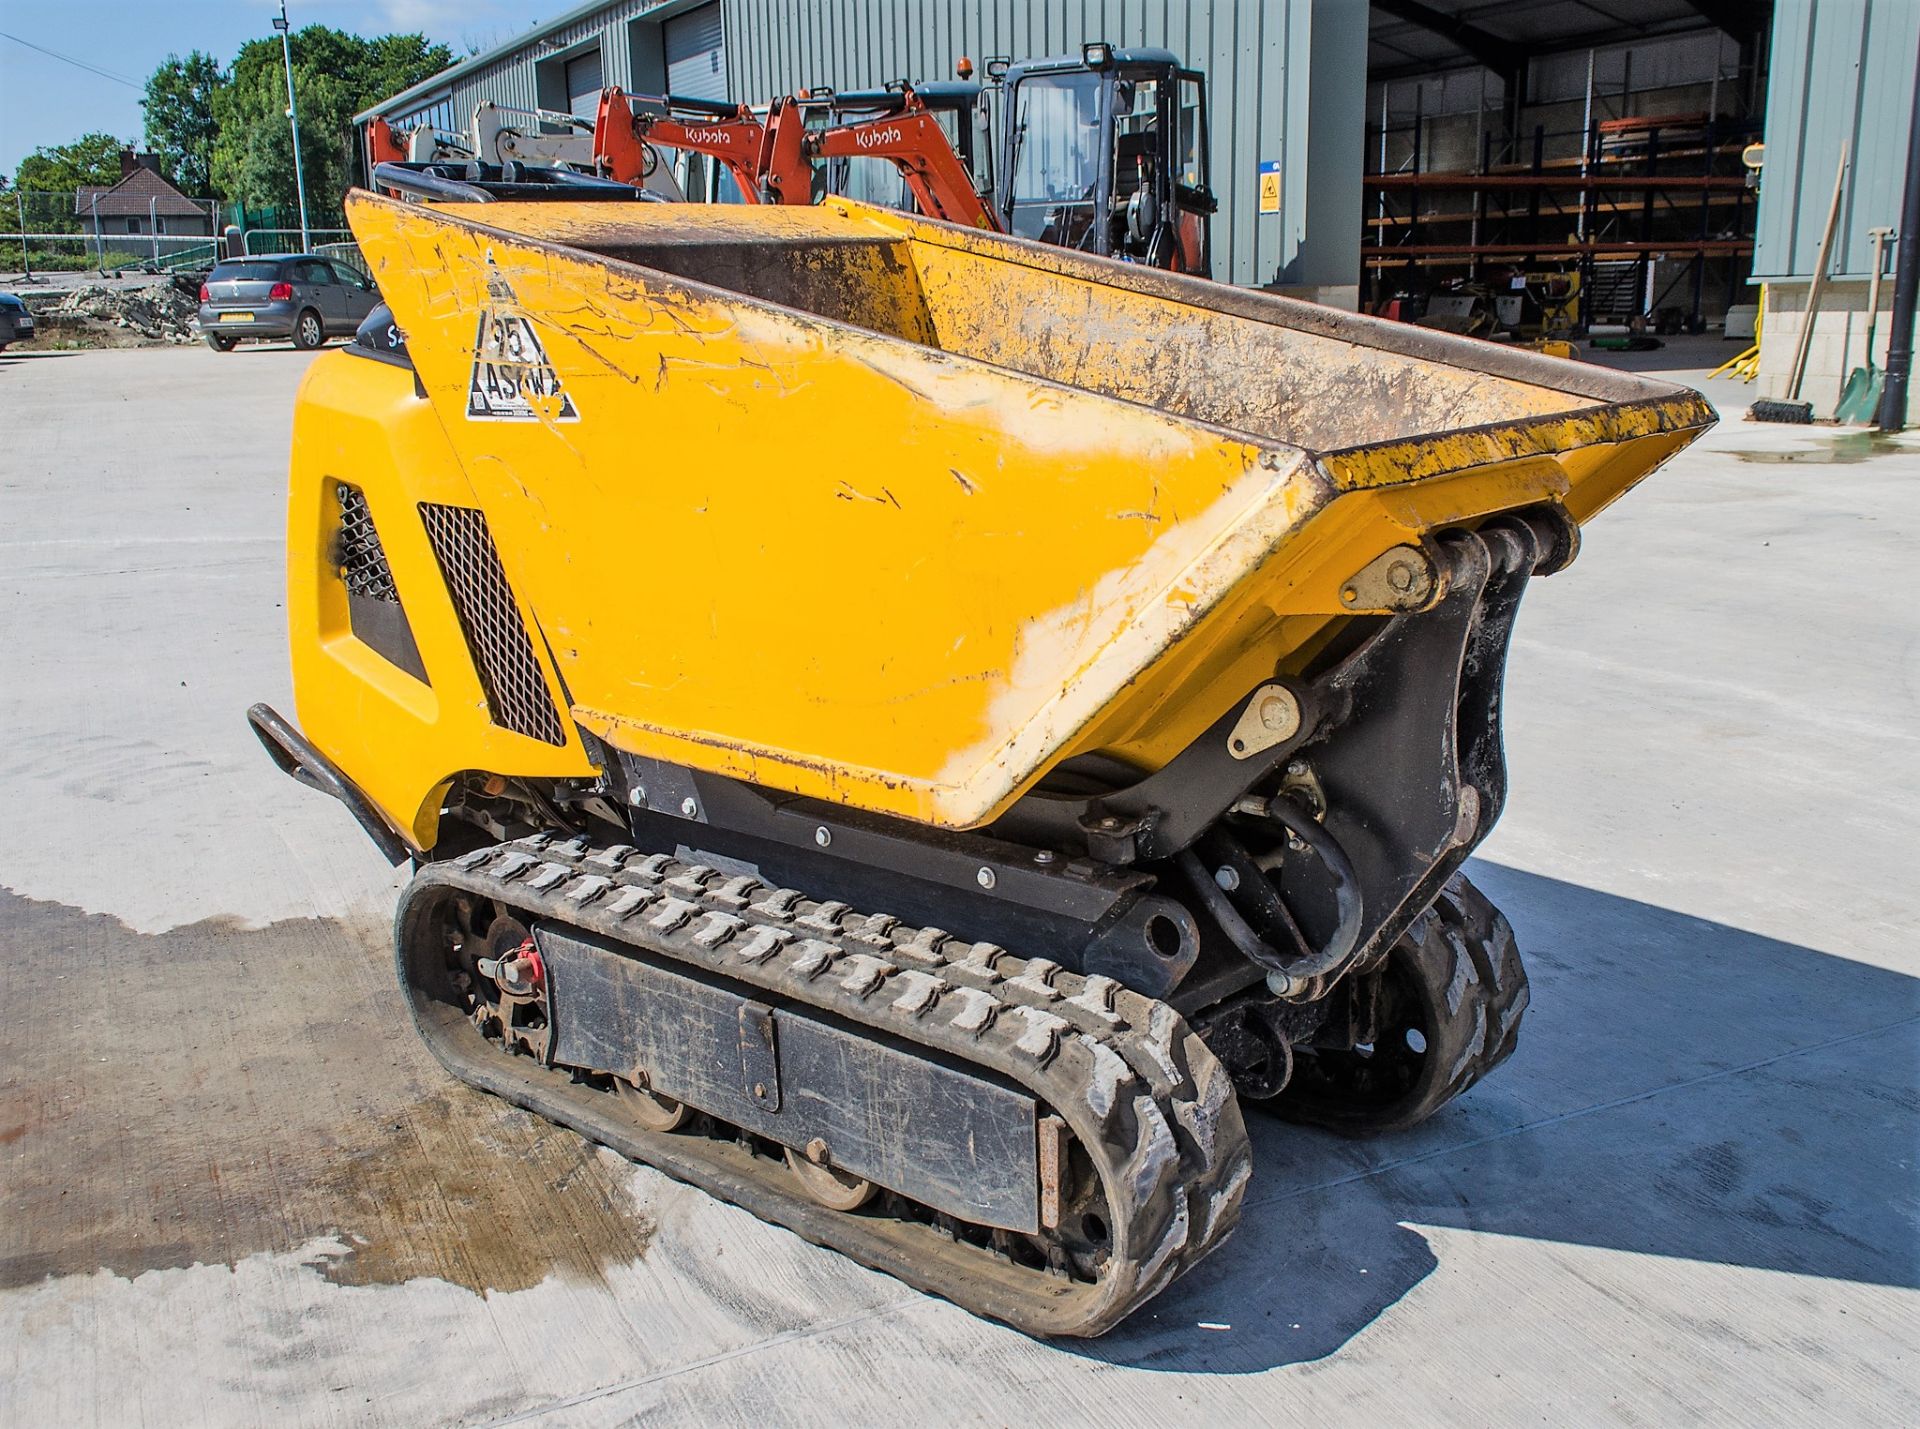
x: 954, y: 1140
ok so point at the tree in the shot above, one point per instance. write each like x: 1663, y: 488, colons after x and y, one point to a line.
x: 335, y: 76
x: 181, y: 126
x: 92, y: 159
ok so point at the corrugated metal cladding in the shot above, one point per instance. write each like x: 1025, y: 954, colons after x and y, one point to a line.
x: 1259, y: 57
x: 696, y: 54
x: 1840, y: 70
x: 1286, y: 82
x: 532, y: 75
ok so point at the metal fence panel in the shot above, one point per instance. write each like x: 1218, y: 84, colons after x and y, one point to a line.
x: 65, y: 231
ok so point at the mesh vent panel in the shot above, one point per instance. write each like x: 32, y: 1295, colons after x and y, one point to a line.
x: 363, y: 564
x: 496, y: 636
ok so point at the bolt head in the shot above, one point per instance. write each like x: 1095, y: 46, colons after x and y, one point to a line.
x: 1297, y: 768
x: 985, y: 878
x: 817, y: 1151
x: 637, y: 796
x: 1044, y: 855
x: 823, y: 836
x: 1110, y: 822
x: 689, y: 808
x: 1227, y: 878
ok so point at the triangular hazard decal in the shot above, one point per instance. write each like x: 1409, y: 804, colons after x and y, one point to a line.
x: 512, y: 379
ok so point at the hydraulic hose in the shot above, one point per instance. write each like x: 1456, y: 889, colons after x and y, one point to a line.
x: 1284, y: 974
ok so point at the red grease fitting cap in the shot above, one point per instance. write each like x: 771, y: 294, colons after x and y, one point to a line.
x: 529, y: 957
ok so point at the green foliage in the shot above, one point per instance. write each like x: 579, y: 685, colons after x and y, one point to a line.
x: 181, y: 126
x: 224, y: 134
x: 335, y: 76
x: 65, y: 259
x: 57, y: 168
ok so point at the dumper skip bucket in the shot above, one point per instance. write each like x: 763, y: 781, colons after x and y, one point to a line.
x: 879, y: 510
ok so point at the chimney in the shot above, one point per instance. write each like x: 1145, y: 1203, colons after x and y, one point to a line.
x: 129, y: 161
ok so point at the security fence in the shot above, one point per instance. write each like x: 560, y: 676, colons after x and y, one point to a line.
x: 104, y: 232
x: 287, y: 240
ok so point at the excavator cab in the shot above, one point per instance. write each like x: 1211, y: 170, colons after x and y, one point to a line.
x: 1106, y: 152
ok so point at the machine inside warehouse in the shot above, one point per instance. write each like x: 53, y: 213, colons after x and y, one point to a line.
x: 1013, y: 710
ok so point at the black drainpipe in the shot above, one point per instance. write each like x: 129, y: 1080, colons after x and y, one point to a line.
x: 1906, y: 284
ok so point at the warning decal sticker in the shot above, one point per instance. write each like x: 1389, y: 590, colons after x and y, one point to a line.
x: 512, y: 379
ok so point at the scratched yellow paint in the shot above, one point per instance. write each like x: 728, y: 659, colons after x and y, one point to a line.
x: 877, y: 552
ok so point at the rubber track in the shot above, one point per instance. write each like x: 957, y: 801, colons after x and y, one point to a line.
x: 1464, y: 928
x: 1465, y: 950
x: 1136, y: 1087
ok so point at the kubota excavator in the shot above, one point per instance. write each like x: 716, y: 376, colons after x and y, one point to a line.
x: 776, y: 159
x: 961, y: 108
x: 1105, y: 151
x: 526, y: 138
x: 730, y: 136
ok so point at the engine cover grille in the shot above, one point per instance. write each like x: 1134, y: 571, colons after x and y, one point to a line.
x: 363, y: 562
x: 496, y: 636
x: 374, y: 612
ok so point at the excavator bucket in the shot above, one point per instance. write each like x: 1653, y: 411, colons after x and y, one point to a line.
x: 1125, y: 646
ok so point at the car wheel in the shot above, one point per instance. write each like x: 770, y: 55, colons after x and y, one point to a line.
x: 308, y: 333
x: 219, y: 343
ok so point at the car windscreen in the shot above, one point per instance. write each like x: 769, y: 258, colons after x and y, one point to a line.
x: 245, y: 273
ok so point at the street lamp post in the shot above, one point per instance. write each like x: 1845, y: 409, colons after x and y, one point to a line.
x: 293, y: 118
x: 26, y: 258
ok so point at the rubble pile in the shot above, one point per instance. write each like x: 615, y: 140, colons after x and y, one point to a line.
x: 159, y: 312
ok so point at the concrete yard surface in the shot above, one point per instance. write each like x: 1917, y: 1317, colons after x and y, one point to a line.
x: 238, y: 1191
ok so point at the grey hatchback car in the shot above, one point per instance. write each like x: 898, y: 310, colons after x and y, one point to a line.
x: 280, y: 296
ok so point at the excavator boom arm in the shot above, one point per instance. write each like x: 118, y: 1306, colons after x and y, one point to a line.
x: 733, y: 137
x: 913, y: 141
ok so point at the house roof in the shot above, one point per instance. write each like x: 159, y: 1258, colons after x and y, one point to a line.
x: 140, y: 193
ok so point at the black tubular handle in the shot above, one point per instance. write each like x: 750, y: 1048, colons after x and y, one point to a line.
x: 294, y: 753
x: 422, y: 183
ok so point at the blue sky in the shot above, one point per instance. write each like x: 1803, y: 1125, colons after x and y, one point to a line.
x: 43, y: 101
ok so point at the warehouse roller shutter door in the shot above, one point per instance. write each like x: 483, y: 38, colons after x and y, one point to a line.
x: 696, y: 54
x: 583, y: 84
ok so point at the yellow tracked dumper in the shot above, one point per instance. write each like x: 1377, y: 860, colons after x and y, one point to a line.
x: 914, y: 731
